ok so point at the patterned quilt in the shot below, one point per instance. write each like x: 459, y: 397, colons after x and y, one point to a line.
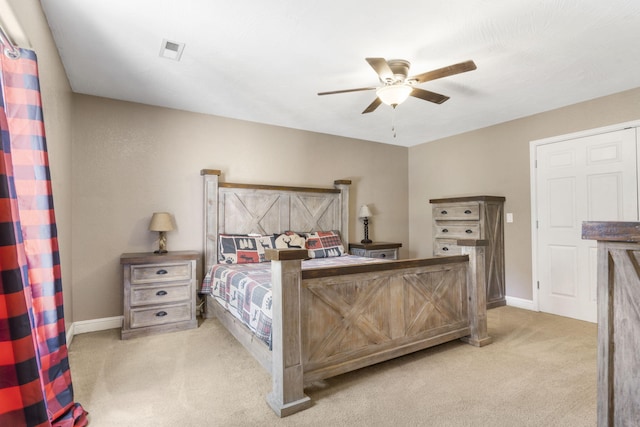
x: 245, y: 289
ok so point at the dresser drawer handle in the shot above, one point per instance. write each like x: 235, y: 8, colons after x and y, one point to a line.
x: 445, y: 230
x: 163, y: 271
x: 161, y: 313
x: 161, y: 293
x: 444, y: 212
x: 383, y: 255
x: 467, y: 211
x: 445, y: 249
x: 468, y: 231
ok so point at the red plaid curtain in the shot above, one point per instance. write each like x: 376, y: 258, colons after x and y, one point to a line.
x: 35, y: 380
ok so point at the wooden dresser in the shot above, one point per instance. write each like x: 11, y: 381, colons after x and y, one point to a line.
x: 159, y: 292
x: 479, y: 218
x: 618, y: 320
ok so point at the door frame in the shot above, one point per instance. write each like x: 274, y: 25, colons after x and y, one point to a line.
x: 533, y: 145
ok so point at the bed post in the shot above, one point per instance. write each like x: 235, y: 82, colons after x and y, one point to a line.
x: 210, y: 216
x: 287, y: 395
x: 477, y: 291
x: 343, y: 186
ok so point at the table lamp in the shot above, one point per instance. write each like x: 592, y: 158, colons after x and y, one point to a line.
x: 364, y: 214
x: 161, y: 222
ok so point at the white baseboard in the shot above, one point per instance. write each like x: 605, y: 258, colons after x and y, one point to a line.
x: 93, y: 325
x: 526, y: 304
x: 70, y: 333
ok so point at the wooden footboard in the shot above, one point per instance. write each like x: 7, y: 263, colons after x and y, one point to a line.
x: 355, y: 320
x: 335, y: 320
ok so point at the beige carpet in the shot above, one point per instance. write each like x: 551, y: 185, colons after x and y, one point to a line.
x: 540, y: 371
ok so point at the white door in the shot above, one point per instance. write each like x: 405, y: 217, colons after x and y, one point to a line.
x: 592, y: 178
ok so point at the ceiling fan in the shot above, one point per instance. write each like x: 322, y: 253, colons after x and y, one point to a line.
x: 397, y: 86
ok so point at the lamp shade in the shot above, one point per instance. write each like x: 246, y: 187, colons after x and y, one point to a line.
x: 394, y: 94
x: 161, y: 221
x: 365, y: 212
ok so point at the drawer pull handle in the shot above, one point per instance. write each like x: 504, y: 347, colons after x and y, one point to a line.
x: 163, y: 271
x: 444, y: 212
x: 468, y: 231
x: 161, y: 293
x: 445, y: 230
x: 445, y: 249
x: 383, y: 255
x: 161, y: 313
x: 467, y: 211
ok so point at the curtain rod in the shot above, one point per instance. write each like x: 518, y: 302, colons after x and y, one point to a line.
x: 10, y: 49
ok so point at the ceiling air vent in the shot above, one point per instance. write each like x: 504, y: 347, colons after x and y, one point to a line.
x: 171, y: 50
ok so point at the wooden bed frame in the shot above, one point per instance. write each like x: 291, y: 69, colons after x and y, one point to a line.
x: 328, y: 321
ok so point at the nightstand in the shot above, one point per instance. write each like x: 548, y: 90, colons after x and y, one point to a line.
x: 159, y: 292
x: 375, y: 250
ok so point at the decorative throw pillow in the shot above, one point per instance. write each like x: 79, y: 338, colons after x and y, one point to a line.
x: 289, y: 239
x: 243, y: 248
x: 324, y: 244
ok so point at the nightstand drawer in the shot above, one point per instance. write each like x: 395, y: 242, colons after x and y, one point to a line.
x: 447, y: 247
x: 458, y: 231
x: 152, y: 273
x: 160, y: 315
x: 457, y: 212
x: 358, y: 252
x: 145, y: 294
x: 383, y: 253
x: 381, y: 250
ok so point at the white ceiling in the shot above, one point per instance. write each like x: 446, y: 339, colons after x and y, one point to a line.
x: 265, y: 61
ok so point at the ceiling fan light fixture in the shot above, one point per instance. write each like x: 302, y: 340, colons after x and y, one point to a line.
x: 394, y: 94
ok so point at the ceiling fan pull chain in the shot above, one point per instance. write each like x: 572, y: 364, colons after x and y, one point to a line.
x: 393, y: 121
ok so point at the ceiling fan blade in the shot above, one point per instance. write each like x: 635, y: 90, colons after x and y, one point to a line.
x: 444, y: 72
x: 428, y: 95
x: 375, y: 104
x: 381, y: 66
x: 346, y: 90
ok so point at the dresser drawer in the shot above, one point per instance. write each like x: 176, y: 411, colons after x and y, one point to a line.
x: 145, y: 294
x: 462, y: 211
x: 458, y: 231
x: 446, y: 247
x: 160, y: 315
x: 152, y: 273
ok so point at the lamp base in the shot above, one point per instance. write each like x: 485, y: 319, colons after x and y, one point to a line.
x: 366, y: 231
x: 162, y: 243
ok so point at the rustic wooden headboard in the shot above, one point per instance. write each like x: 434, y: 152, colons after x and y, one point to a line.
x: 267, y: 209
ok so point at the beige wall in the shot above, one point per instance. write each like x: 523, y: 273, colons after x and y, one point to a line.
x: 25, y: 23
x: 130, y: 160
x: 495, y: 161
